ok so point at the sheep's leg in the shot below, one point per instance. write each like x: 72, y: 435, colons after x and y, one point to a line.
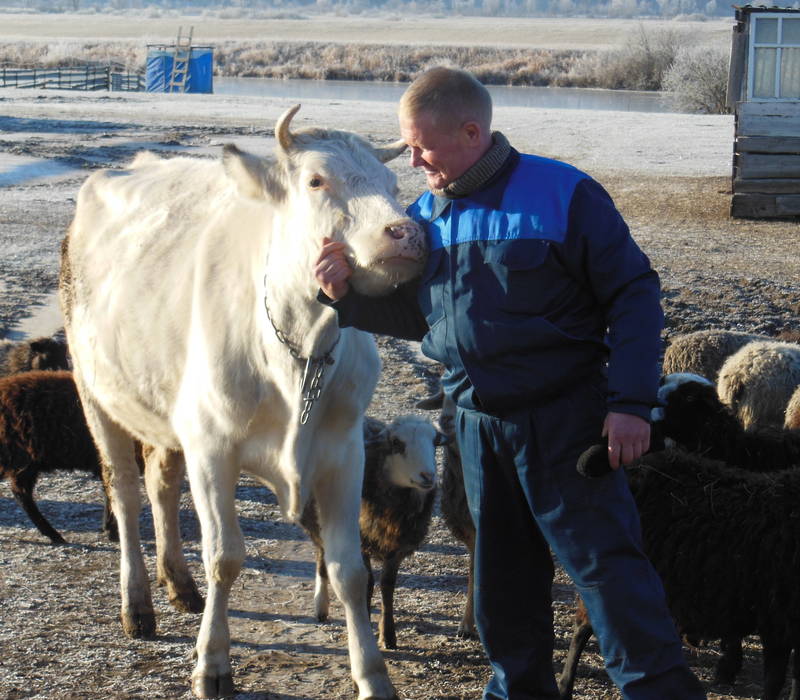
x: 121, y: 475
x: 581, y: 633
x: 213, y: 482
x: 370, y: 582
x: 730, y: 663
x: 22, y: 488
x: 388, y: 635
x: 109, y: 521
x: 776, y: 659
x: 466, y: 628
x: 163, y: 477
x: 338, y: 500
x: 322, y: 602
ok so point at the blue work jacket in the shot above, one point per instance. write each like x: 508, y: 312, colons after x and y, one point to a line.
x: 533, y: 285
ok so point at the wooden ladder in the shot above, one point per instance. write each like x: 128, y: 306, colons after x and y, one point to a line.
x: 180, y: 61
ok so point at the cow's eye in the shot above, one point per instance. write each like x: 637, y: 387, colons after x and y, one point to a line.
x: 315, y: 182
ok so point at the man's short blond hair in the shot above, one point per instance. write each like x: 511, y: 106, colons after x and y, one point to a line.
x: 450, y: 95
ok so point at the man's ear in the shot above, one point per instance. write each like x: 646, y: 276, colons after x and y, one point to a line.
x: 472, y: 133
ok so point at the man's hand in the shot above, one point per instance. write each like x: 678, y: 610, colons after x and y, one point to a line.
x: 628, y: 438
x: 332, y: 269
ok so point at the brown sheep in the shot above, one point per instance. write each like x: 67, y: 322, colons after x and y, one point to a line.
x: 42, y: 429
x: 39, y: 353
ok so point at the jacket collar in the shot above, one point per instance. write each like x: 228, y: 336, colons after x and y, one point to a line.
x: 489, y: 192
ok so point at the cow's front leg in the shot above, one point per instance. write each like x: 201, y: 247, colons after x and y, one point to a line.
x: 338, y: 502
x: 213, y: 484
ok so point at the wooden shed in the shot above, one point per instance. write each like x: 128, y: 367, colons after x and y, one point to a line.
x: 764, y: 94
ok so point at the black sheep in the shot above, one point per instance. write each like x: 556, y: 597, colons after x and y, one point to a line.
x: 726, y: 543
x: 692, y: 415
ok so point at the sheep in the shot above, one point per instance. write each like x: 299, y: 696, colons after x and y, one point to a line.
x: 39, y: 353
x: 788, y: 336
x: 48, y: 354
x: 758, y: 380
x: 692, y: 415
x: 792, y: 418
x: 396, y: 506
x: 455, y: 511
x: 704, y: 352
x: 726, y: 543
x: 42, y: 428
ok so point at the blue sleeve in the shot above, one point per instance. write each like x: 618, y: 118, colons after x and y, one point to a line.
x: 601, y: 251
x: 397, y: 314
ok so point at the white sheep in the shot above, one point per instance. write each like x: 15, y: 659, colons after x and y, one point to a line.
x: 704, y: 352
x: 792, y: 418
x: 758, y: 380
x: 396, y: 506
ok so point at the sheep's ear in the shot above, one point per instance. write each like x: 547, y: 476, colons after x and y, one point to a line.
x: 433, y: 401
x: 256, y: 178
x: 375, y: 435
x: 441, y: 439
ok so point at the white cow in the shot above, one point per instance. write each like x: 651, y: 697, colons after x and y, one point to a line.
x: 191, y: 314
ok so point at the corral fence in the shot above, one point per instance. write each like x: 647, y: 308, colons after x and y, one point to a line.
x: 89, y: 77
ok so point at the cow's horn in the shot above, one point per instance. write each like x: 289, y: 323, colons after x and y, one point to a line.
x: 282, y: 133
x: 386, y: 153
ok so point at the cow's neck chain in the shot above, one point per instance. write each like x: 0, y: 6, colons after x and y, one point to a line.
x: 315, y: 366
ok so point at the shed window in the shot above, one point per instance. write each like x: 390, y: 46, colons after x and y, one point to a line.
x: 775, y: 57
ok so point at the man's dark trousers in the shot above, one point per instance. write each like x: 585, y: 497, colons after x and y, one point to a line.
x: 526, y: 499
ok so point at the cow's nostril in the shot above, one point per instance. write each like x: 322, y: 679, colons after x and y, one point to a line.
x: 396, y: 232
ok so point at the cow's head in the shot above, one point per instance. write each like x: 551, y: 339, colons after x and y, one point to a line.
x: 335, y: 184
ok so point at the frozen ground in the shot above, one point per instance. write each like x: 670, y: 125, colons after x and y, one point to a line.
x: 59, y: 632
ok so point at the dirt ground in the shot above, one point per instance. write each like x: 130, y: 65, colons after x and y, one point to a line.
x: 60, y: 636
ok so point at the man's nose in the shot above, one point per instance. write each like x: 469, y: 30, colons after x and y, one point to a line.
x: 416, y: 158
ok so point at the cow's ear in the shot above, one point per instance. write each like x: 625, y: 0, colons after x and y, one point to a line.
x: 255, y: 177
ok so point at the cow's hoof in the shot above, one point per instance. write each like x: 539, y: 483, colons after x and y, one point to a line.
x: 188, y: 601
x: 213, y: 686
x: 467, y: 633
x: 393, y: 696
x: 139, y: 626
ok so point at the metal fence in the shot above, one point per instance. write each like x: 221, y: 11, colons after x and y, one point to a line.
x: 72, y: 78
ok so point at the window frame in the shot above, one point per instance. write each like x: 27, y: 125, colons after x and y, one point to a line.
x: 778, y: 46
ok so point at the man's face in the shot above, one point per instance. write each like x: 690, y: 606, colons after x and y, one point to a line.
x: 444, y: 154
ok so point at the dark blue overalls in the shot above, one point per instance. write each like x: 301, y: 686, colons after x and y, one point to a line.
x: 546, y: 315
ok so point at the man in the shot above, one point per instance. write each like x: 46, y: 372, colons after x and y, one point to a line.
x: 547, y: 318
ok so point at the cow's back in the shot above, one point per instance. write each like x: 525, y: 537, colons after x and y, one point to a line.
x: 144, y: 252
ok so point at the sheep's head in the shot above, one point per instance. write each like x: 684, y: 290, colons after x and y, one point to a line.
x: 409, y: 446
x: 688, y: 403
